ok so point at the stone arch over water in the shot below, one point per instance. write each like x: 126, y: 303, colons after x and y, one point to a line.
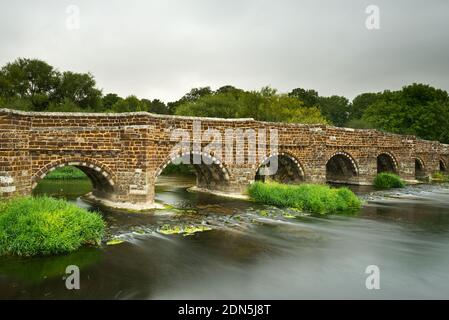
x: 442, y: 166
x: 420, y: 170
x: 211, y: 174
x: 386, y: 162
x: 341, y: 168
x: 101, y: 177
x: 287, y: 169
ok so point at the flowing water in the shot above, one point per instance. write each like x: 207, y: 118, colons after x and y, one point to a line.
x: 253, y: 251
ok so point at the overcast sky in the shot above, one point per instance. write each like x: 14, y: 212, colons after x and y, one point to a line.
x: 162, y: 49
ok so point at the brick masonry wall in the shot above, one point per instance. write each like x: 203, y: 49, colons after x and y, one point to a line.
x: 124, y: 153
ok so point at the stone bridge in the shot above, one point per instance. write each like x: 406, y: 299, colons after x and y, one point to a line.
x: 123, y: 154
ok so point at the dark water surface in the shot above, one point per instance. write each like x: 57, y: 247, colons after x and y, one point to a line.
x: 253, y: 251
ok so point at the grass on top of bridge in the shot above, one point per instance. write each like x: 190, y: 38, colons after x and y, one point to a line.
x: 46, y: 226
x: 313, y: 198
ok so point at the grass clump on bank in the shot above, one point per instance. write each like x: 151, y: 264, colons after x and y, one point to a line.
x: 312, y: 198
x: 386, y: 180
x: 66, y: 173
x: 46, y: 226
x: 438, y: 176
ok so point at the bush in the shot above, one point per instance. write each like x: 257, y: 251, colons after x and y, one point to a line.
x: 388, y: 180
x: 312, y: 198
x: 45, y: 226
x: 66, y: 173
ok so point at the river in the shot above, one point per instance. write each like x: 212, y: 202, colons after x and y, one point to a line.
x: 253, y: 251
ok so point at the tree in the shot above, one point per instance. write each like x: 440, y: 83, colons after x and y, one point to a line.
x: 264, y: 105
x: 335, y: 109
x: 228, y: 89
x: 417, y: 109
x: 361, y: 103
x: 109, y: 100
x: 223, y: 105
x: 155, y: 106
x: 308, y: 97
x: 66, y: 105
x: 16, y: 103
x: 192, y: 96
x: 80, y: 89
x: 130, y: 104
x: 282, y: 108
x: 29, y: 79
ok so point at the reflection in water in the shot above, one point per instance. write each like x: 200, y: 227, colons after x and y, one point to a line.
x: 250, y: 254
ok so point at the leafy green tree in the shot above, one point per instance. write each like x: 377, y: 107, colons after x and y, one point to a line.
x: 335, y: 109
x: 80, y: 89
x: 264, y: 105
x: 417, y: 109
x: 282, y: 108
x: 130, y: 104
x: 191, y: 96
x: 31, y: 79
x: 224, y: 105
x: 16, y: 103
x: 358, y: 124
x: 155, y: 106
x: 66, y: 105
x: 310, y: 98
x: 109, y: 100
x: 229, y: 89
x: 361, y: 103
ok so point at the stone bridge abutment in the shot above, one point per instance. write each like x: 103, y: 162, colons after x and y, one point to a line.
x: 123, y: 154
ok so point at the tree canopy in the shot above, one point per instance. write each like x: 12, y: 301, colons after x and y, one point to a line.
x: 417, y: 109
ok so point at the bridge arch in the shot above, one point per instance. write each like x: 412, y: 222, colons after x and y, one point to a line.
x: 102, y: 178
x: 211, y: 173
x: 442, y: 166
x: 386, y: 162
x: 341, y: 168
x: 288, y: 169
x: 420, y: 169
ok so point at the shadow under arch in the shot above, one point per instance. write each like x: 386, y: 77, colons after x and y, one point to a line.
x: 386, y: 162
x: 342, y: 168
x: 287, y: 170
x: 420, y: 169
x: 211, y: 174
x: 101, y: 177
x: 442, y: 166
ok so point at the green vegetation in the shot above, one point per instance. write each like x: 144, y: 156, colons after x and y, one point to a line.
x: 185, y: 230
x: 178, y: 169
x: 312, y: 198
x: 417, y: 109
x: 440, y: 177
x: 66, y: 173
x: 386, y: 180
x: 114, y: 242
x: 46, y: 226
x: 264, y: 105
